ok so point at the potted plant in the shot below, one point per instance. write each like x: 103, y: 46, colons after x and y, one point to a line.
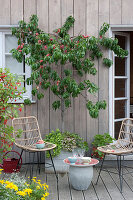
x: 65, y: 142
x: 100, y: 140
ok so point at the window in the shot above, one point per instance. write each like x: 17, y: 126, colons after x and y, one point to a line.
x: 8, y: 42
x: 119, y: 85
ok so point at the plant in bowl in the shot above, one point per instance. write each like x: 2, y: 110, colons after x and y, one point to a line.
x: 40, y: 144
x: 100, y: 140
x: 73, y: 140
x: 65, y: 141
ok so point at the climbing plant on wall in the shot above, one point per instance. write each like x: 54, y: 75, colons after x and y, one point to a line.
x: 43, y: 51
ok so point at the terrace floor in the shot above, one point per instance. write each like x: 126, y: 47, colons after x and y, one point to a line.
x: 106, y: 189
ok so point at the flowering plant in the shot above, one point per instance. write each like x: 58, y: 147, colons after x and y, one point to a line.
x: 65, y: 141
x: 73, y: 140
x: 10, y: 91
x: 17, y: 188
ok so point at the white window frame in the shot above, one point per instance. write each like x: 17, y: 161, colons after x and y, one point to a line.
x: 6, y: 30
x: 116, y: 28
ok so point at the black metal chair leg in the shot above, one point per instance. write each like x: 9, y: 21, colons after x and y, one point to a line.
x: 19, y: 158
x: 31, y: 165
x: 120, y: 170
x: 26, y: 170
x: 100, y: 169
x: 44, y: 161
x: 39, y: 161
x: 53, y: 165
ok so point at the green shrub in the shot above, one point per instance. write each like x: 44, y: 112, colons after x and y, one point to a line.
x: 65, y: 141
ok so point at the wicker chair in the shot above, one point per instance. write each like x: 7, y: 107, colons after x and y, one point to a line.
x: 122, y: 147
x: 28, y: 138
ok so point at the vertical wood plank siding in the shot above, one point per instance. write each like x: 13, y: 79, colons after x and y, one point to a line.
x: 43, y: 104
x: 103, y: 71
x: 67, y: 10
x: 54, y: 22
x: 92, y: 29
x: 80, y: 104
x: 89, y: 16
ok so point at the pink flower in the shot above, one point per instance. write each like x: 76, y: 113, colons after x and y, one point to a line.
x: 18, y: 46
x: 62, y: 47
x: 41, y: 66
x: 51, y: 39
x: 58, y: 82
x: 20, y: 50
x: 58, y: 30
x: 37, y: 34
x: 85, y: 36
x: 48, y: 55
x: 39, y: 41
x: 41, y: 61
x: 45, y: 47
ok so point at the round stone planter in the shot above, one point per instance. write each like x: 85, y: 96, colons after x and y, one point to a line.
x: 60, y: 166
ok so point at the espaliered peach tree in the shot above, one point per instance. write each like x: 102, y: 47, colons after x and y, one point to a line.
x: 43, y: 51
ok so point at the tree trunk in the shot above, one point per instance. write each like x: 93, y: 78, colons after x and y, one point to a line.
x: 62, y: 103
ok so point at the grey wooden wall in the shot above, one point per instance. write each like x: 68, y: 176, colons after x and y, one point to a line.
x: 89, y: 16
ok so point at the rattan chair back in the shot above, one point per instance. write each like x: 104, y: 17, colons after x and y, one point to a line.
x: 29, y: 129
x: 125, y: 138
x: 124, y: 144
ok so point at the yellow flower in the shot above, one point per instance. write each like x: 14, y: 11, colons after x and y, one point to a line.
x: 28, y: 191
x: 37, y: 187
x: 12, y: 186
x: 21, y: 193
x: 2, y: 181
x: 42, y: 198
x: 15, y: 187
x: 34, y: 180
x: 34, y: 177
x: 0, y: 170
x: 39, y: 184
x: 46, y: 194
x: 7, y: 182
x: 47, y: 186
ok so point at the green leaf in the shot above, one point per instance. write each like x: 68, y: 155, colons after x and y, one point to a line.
x: 55, y: 105
x: 40, y: 96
